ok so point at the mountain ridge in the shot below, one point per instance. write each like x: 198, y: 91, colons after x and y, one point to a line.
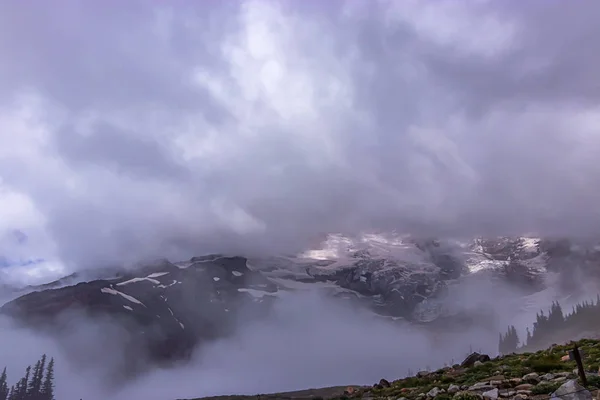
x: 171, y: 308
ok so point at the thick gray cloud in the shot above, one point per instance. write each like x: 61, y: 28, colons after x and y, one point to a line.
x: 143, y: 129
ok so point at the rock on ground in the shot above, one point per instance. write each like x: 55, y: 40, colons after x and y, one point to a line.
x: 571, y: 390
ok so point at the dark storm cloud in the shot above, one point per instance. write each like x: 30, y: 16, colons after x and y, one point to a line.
x: 107, y: 145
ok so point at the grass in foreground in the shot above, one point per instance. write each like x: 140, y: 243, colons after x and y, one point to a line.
x: 533, y: 375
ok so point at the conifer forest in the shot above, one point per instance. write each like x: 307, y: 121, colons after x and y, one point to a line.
x: 36, y: 384
x: 551, y: 326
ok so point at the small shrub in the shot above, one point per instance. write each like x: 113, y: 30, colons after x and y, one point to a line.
x: 593, y: 380
x: 516, y: 372
x: 413, y: 381
x: 443, y: 396
x: 542, y: 367
x: 474, y: 377
x: 544, y: 363
x: 485, y: 367
x: 465, y: 396
x: 545, y: 388
x: 594, y: 366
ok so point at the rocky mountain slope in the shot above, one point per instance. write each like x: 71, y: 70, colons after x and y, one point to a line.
x: 169, y: 308
x: 545, y: 374
x: 542, y: 375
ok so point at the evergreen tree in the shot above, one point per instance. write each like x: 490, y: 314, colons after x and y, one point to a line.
x: 47, y: 391
x: 540, y: 329
x: 514, y: 338
x: 19, y: 395
x: 35, y: 385
x: 21, y: 388
x: 556, y: 318
x: 11, y: 394
x: 31, y: 392
x: 547, y: 327
x: 3, y: 386
x: 509, y: 342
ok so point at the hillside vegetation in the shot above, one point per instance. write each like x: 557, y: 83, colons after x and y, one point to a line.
x: 553, y: 326
x: 36, y: 384
x: 515, y: 376
x: 523, y: 376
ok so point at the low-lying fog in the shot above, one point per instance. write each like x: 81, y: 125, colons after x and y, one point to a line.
x: 308, y: 341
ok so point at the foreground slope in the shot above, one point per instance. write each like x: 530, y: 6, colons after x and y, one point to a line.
x: 516, y: 376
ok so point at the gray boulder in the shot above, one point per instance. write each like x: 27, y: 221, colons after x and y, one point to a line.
x: 473, y: 358
x: 571, y: 390
x: 491, y: 394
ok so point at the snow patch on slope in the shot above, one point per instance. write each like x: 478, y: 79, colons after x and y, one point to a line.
x: 125, y: 296
x: 166, y: 286
x: 157, y: 275
x: 342, y: 248
x: 135, y: 280
x: 256, y: 293
x: 530, y: 244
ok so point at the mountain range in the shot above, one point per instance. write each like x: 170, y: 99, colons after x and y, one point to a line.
x: 170, y: 308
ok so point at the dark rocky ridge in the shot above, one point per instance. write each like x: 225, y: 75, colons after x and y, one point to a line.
x: 167, y: 309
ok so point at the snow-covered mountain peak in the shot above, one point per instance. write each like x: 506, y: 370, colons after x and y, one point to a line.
x: 341, y: 248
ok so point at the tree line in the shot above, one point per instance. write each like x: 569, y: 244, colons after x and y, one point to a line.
x: 583, y: 316
x: 36, y: 384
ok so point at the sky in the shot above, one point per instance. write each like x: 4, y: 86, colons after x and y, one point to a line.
x: 143, y: 129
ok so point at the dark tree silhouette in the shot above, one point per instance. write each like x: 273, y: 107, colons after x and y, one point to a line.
x: 23, y: 383
x: 34, y: 385
x: 509, y: 342
x: 4, y: 391
x: 546, y: 328
x: 47, y: 390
